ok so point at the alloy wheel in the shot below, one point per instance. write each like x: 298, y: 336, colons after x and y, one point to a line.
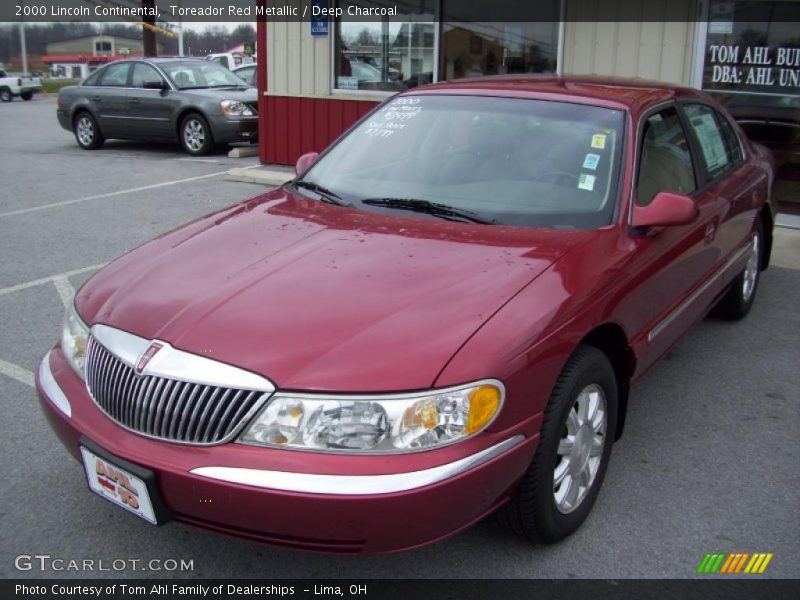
x: 194, y: 135
x: 580, y: 449
x: 751, y: 270
x: 84, y: 129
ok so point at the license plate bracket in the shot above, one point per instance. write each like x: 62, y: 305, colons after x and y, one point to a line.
x: 123, y: 483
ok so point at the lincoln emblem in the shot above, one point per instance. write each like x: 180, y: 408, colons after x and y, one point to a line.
x: 147, y: 356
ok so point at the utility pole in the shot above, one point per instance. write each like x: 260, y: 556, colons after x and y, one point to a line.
x: 148, y: 34
x: 180, y: 32
x: 23, y: 50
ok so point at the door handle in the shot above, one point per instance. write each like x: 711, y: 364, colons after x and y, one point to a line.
x: 711, y: 230
x: 96, y: 99
x: 135, y: 101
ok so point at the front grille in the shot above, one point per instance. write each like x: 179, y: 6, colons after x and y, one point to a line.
x: 169, y: 409
x: 253, y: 106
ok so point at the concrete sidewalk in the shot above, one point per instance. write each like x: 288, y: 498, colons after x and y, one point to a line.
x: 271, y: 175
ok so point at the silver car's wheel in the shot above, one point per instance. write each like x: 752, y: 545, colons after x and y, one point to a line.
x: 87, y: 133
x: 751, y: 270
x: 580, y: 450
x: 195, y: 135
x: 5, y: 96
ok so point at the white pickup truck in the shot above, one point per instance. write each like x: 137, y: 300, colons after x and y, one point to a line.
x: 16, y: 85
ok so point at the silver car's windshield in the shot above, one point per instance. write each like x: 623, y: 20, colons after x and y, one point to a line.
x: 508, y: 161
x: 194, y: 75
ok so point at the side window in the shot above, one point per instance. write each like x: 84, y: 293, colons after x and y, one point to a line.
x: 731, y: 139
x: 144, y: 73
x: 93, y: 78
x: 665, y: 163
x: 713, y: 150
x: 115, y: 75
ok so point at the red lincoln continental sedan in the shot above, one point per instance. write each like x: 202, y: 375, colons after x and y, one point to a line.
x: 439, y: 318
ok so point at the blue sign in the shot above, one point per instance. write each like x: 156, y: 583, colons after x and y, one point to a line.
x: 319, y: 25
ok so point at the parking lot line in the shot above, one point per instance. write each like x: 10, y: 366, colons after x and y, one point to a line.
x: 64, y: 288
x: 143, y: 188
x: 22, y: 375
x: 48, y: 279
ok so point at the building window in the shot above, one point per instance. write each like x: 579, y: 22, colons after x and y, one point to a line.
x: 393, y: 54
x: 401, y: 52
x: 475, y: 49
x: 102, y: 48
x: 752, y: 48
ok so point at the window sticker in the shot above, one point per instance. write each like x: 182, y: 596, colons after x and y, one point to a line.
x: 347, y: 83
x: 591, y: 161
x: 710, y: 141
x: 599, y: 141
x: 586, y: 182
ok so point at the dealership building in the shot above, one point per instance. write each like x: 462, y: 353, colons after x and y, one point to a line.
x: 317, y: 78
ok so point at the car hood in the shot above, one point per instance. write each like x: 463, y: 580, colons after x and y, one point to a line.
x: 320, y: 297
x: 248, y: 95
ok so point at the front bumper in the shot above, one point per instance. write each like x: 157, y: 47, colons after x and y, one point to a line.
x: 321, y: 502
x: 228, y: 129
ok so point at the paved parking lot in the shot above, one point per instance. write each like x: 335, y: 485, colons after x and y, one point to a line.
x: 709, y: 460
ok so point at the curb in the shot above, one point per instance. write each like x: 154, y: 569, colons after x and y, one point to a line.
x: 260, y: 176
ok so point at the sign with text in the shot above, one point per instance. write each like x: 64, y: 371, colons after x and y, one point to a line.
x: 748, y: 53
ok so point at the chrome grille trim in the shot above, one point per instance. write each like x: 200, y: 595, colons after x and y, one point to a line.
x: 169, y: 408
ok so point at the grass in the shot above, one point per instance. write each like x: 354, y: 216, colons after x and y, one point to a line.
x: 52, y: 86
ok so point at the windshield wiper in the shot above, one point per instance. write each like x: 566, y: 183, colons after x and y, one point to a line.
x: 430, y: 208
x: 324, y: 193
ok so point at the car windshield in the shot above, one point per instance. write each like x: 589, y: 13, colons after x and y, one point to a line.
x: 192, y: 75
x: 509, y: 161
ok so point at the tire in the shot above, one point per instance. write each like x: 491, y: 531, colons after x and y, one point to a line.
x: 195, y: 135
x: 741, y: 295
x: 539, y: 510
x: 87, y: 131
x: 5, y: 95
x: 26, y: 96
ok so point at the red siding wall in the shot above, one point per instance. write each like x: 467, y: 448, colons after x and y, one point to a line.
x: 290, y: 126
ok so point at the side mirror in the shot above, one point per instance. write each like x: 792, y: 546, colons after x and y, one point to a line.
x: 305, y: 161
x: 666, y: 209
x: 155, y: 85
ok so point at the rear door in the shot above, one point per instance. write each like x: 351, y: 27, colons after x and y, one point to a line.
x: 109, y: 101
x: 727, y: 179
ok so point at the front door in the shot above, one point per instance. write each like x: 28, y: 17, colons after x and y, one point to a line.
x: 675, y: 264
x: 149, y: 110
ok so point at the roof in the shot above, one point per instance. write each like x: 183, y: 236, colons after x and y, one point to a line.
x: 97, y: 35
x: 626, y: 93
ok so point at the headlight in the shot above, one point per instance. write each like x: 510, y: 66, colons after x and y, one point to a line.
x: 376, y: 424
x: 73, y: 341
x: 234, y: 108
